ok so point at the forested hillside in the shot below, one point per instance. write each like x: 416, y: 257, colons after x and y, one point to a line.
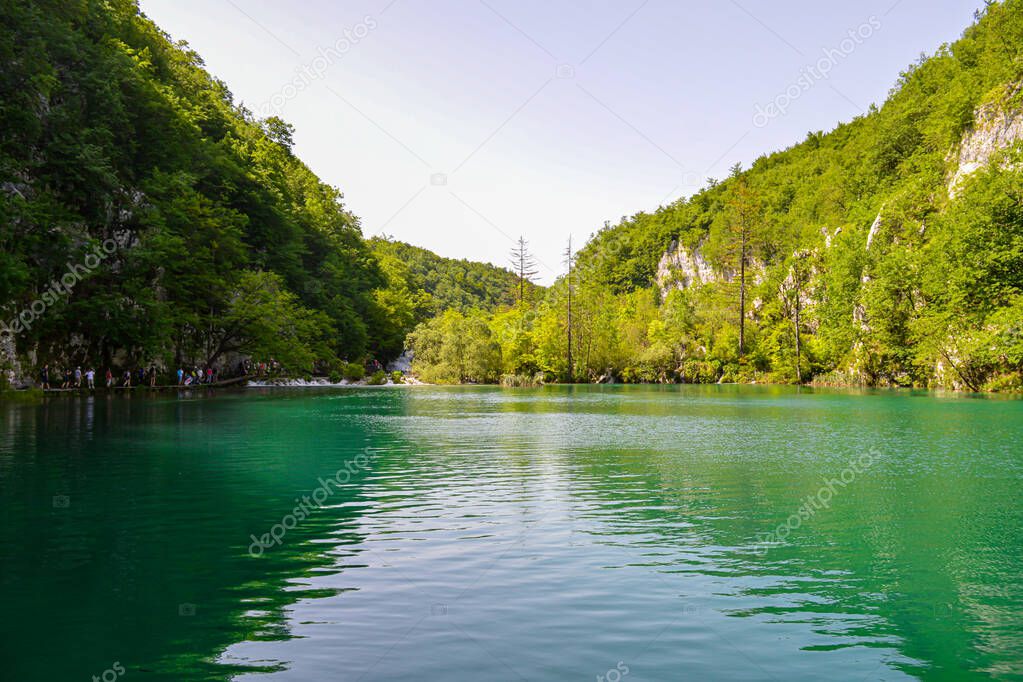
x: 147, y: 218
x: 886, y: 252
x: 422, y: 285
x: 450, y: 283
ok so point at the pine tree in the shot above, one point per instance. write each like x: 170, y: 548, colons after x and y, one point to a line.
x: 524, y: 265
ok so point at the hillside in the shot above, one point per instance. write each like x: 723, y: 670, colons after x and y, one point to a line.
x: 451, y: 283
x: 423, y: 285
x: 147, y: 218
x: 886, y: 252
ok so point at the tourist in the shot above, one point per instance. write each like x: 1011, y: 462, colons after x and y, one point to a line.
x: 44, y: 378
x: 67, y: 379
x: 78, y: 377
x: 126, y: 381
x: 90, y: 378
x: 110, y: 378
x: 152, y: 376
x: 181, y: 377
x: 209, y: 375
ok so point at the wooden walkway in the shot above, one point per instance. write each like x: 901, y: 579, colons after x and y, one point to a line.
x: 234, y: 381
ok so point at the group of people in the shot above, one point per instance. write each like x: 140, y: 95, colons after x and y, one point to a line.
x: 197, y: 376
x: 77, y: 378
x: 262, y: 369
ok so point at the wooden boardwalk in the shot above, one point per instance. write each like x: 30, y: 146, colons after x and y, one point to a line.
x: 234, y: 381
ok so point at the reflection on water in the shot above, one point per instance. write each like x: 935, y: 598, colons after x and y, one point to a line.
x: 514, y: 534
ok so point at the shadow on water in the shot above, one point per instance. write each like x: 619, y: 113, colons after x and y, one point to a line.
x: 127, y: 522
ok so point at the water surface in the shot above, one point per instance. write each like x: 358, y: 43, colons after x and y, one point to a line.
x: 640, y: 533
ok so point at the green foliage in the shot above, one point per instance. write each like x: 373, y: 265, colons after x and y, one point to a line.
x: 456, y: 348
x: 111, y: 131
x: 225, y: 242
x: 262, y: 317
x: 378, y: 378
x: 421, y: 285
x: 932, y: 298
x: 447, y: 283
x: 353, y: 371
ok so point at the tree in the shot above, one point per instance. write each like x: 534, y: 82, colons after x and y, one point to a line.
x: 281, y: 132
x: 792, y: 290
x: 523, y: 265
x: 265, y: 319
x: 744, y: 214
x: 456, y: 348
x: 569, y: 261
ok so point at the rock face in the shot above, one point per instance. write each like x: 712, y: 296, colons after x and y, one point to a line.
x: 874, y: 228
x: 994, y: 129
x: 9, y: 357
x: 403, y: 363
x: 681, y: 268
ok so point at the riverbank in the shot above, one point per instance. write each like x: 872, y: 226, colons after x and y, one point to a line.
x: 251, y: 381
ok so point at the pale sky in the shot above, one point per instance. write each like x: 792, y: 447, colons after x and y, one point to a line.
x: 458, y: 125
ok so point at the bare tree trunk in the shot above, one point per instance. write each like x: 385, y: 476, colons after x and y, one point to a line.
x: 571, y: 373
x: 742, y: 296
x: 799, y: 369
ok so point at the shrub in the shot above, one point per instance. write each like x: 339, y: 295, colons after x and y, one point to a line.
x: 379, y: 378
x: 354, y: 371
x: 397, y: 377
x: 335, y: 377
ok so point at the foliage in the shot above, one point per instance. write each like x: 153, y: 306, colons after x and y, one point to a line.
x: 861, y: 265
x: 457, y: 348
x: 353, y: 371
x: 113, y: 132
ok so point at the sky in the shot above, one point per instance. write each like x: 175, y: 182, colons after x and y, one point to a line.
x: 459, y: 125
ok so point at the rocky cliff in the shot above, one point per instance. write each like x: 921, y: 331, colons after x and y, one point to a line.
x: 996, y: 126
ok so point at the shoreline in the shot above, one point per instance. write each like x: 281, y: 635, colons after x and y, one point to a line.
x: 243, y: 383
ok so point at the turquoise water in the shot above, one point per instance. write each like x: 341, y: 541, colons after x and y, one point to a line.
x: 623, y: 533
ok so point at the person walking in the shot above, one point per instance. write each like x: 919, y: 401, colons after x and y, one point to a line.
x: 181, y: 376
x: 44, y: 378
x: 152, y: 376
x: 78, y: 377
x: 127, y: 379
x: 90, y: 378
x: 67, y: 379
x: 110, y: 378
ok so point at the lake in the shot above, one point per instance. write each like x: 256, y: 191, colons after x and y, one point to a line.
x: 609, y: 533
